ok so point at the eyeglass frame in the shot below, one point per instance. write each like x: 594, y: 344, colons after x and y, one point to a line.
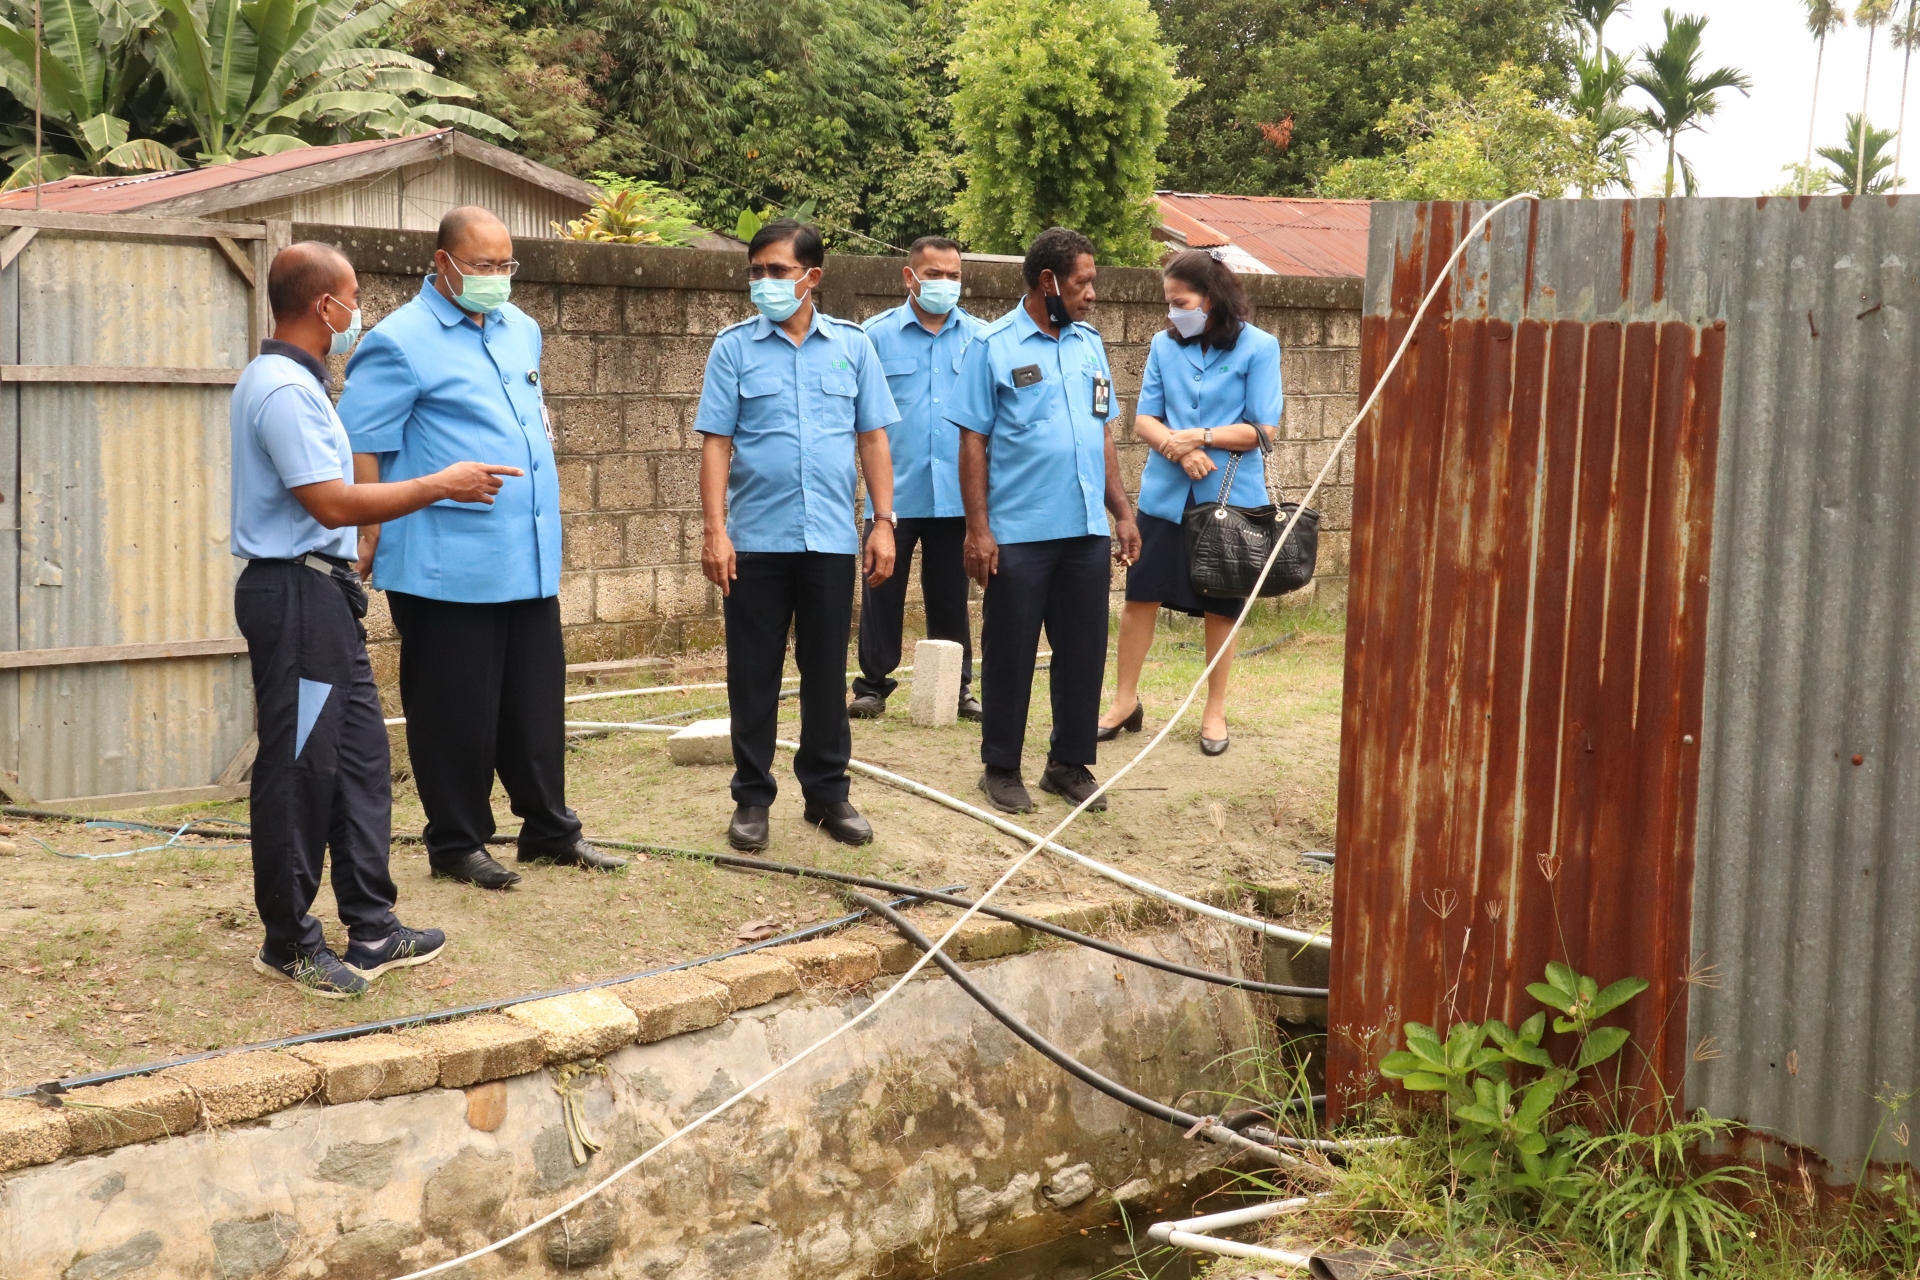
x: 508, y: 268
x: 760, y: 271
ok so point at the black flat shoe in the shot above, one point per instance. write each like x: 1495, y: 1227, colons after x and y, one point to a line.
x: 841, y: 821
x: 970, y: 707
x: 577, y: 854
x: 1214, y: 746
x: 1107, y: 733
x: 480, y: 870
x: 868, y: 706
x: 747, y: 831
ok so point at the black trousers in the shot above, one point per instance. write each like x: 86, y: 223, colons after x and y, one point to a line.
x: 1060, y: 585
x: 810, y: 592
x: 943, y: 585
x: 322, y: 778
x: 482, y: 686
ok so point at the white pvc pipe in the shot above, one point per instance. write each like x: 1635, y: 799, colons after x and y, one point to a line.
x: 1234, y: 1249
x: 1231, y: 1218
x: 632, y: 727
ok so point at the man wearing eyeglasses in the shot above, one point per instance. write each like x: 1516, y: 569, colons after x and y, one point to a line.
x: 474, y: 589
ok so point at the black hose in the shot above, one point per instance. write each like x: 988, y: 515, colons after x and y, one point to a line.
x: 1192, y: 1124
x: 1012, y: 917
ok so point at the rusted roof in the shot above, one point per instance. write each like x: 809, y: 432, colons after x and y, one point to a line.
x: 341, y: 162
x: 1287, y: 236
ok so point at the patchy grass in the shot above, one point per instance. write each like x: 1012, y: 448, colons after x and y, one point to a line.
x: 114, y: 962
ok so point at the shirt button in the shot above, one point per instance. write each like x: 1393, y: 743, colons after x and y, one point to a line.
x: 536, y: 466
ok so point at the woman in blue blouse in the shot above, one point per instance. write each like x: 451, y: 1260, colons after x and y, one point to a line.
x: 1211, y: 390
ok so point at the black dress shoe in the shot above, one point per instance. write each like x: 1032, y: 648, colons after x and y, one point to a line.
x: 868, y: 706
x: 1005, y: 790
x: 1072, y: 782
x: 1214, y: 746
x: 970, y: 707
x: 747, y: 831
x: 1107, y: 733
x: 841, y: 821
x: 478, y: 868
x: 577, y: 854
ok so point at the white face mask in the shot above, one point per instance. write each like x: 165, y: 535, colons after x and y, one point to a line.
x: 1187, y: 322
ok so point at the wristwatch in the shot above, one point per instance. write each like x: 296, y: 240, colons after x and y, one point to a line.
x: 889, y: 517
x: 1206, y: 437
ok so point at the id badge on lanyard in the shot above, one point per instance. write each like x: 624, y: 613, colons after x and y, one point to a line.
x: 1102, y: 395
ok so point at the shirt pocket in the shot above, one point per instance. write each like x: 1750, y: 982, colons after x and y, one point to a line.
x: 838, y: 396
x: 899, y: 368
x: 1030, y: 405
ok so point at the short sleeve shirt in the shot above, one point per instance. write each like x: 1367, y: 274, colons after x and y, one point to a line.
x: 793, y: 412
x: 1046, y: 443
x: 285, y: 435
x: 1188, y: 388
x: 429, y: 387
x: 921, y: 366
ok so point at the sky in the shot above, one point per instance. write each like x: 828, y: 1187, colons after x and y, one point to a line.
x: 1742, y: 151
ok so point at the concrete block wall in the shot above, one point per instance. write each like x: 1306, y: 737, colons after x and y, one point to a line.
x: 627, y: 334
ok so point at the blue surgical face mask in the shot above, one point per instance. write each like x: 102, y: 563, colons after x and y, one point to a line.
x: 937, y: 297
x: 343, y: 339
x: 1187, y: 321
x: 774, y: 299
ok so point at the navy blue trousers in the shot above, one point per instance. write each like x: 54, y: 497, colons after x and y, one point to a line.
x: 943, y: 585
x: 322, y: 780
x: 1061, y: 586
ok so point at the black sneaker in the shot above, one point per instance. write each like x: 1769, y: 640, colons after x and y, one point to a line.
x: 318, y: 974
x: 868, y: 706
x: 1071, y: 782
x: 1005, y: 790
x: 398, y: 950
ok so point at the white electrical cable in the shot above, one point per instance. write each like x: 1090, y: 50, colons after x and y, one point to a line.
x: 1014, y: 868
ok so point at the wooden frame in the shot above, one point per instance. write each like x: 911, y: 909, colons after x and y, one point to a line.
x: 116, y: 373
x: 132, y: 224
x: 222, y: 647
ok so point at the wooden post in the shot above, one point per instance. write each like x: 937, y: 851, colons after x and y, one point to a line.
x: 279, y: 236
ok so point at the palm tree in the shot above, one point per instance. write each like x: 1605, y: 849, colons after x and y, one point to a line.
x: 1683, y: 96
x: 1905, y: 37
x: 1608, y: 128
x: 1870, y: 15
x: 1823, y: 17
x: 1862, y: 166
x: 1592, y: 16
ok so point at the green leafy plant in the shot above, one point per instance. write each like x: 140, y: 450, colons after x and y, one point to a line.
x: 748, y: 225
x: 633, y: 211
x: 1640, y: 1198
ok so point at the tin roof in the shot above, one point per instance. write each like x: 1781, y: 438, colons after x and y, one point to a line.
x: 1280, y: 234
x: 259, y: 178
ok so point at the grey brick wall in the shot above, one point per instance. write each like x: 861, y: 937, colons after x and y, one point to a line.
x: 627, y: 334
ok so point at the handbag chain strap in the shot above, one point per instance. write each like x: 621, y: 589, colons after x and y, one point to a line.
x: 1233, y: 469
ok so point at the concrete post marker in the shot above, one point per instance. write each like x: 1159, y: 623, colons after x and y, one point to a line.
x: 703, y: 742
x: 138, y: 1109
x: 585, y: 1024
x: 31, y: 1134
x: 936, y: 682
x: 369, y: 1067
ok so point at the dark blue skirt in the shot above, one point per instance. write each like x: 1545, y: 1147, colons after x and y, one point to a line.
x: 1161, y: 575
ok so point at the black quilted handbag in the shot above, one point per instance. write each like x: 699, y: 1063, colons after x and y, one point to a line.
x: 1227, y: 546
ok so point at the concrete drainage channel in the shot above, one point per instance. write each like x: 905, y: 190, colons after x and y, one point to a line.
x: 927, y: 1139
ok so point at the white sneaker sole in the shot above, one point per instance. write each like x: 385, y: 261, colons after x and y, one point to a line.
x: 405, y: 962
x: 262, y: 967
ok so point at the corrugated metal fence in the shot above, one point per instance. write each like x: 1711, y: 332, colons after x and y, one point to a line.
x: 1635, y: 527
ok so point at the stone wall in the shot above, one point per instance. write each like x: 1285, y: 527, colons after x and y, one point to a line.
x: 627, y: 334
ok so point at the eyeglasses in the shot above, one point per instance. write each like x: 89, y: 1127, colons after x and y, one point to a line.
x: 778, y: 271
x: 507, y: 268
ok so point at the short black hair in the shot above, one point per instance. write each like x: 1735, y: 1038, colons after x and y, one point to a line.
x: 1058, y: 250
x: 455, y: 225
x: 809, y: 250
x: 301, y: 274
x: 939, y: 244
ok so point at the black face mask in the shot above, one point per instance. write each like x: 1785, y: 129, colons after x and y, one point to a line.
x: 1056, y: 310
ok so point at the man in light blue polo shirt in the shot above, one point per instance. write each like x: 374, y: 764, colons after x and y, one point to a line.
x: 322, y: 777
x: 474, y: 589
x: 1034, y: 398
x: 787, y: 402
x: 919, y: 343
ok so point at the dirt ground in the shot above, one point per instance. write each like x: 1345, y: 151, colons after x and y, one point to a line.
x: 116, y: 961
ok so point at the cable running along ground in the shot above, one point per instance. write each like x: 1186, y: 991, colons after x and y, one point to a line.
x: 1014, y: 868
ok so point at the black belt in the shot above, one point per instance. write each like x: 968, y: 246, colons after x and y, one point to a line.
x: 340, y: 571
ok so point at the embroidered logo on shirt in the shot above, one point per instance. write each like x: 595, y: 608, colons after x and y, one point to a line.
x: 841, y: 364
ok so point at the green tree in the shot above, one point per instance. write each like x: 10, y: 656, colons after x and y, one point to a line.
x: 1824, y: 17
x: 1501, y: 141
x: 1217, y: 139
x: 1592, y: 16
x: 1863, y: 165
x: 1905, y: 37
x: 1608, y: 129
x: 1684, y: 97
x: 1061, y: 110
x: 1870, y: 14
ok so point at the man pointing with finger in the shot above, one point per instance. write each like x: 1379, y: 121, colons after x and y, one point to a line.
x: 473, y: 587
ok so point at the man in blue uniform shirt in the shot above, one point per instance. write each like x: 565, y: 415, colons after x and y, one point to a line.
x: 1034, y: 398
x: 474, y: 589
x: 788, y: 400
x: 919, y: 343
x: 322, y: 778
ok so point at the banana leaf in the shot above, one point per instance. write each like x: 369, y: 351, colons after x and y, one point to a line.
x: 49, y: 168
x: 466, y: 116
x: 144, y: 154
x: 272, y: 144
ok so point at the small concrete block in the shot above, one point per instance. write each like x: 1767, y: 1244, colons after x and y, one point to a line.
x: 1081, y: 917
x: 752, y: 979
x: 487, y: 1106
x: 585, y: 1024
x: 936, y: 682
x: 703, y: 742
x: 246, y: 1086
x: 31, y: 1134
x: 987, y: 939
x: 836, y: 962
x: 369, y: 1067
x: 473, y: 1050
x: 138, y: 1109
x: 672, y: 1004
x: 896, y: 953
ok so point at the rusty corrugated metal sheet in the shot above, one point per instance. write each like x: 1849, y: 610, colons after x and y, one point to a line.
x: 123, y: 513
x: 1526, y: 625
x: 1291, y: 237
